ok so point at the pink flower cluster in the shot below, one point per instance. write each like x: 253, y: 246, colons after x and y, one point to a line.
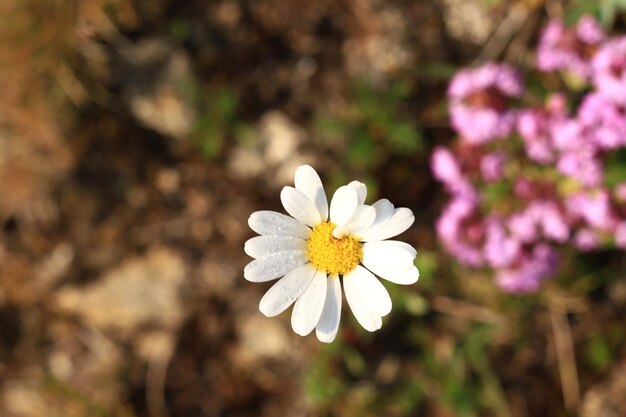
x: 527, y: 178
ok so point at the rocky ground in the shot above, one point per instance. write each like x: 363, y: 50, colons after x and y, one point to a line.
x: 137, y: 137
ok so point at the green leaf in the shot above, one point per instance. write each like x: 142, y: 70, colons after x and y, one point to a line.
x: 598, y: 353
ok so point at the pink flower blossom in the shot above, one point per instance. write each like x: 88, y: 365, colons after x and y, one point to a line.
x: 539, y: 216
x: 478, y: 102
x: 569, y: 48
x: 492, y: 166
x: 593, y: 208
x: 604, y: 120
x: 535, y: 127
x: 461, y: 236
x: 586, y: 240
x: 533, y: 267
x: 523, y: 225
x: 447, y: 169
x: 620, y: 235
x: 609, y: 69
x: 500, y: 249
x: 581, y: 166
x: 549, y: 217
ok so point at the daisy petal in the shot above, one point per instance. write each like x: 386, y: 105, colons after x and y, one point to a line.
x: 385, y: 259
x: 363, y: 218
x: 361, y: 191
x: 366, y: 316
x: 326, y: 329
x: 371, y: 291
x: 308, y: 308
x: 384, y: 211
x: 274, y: 266
x: 273, y: 223
x: 403, y: 245
x: 343, y: 205
x: 309, y: 182
x: 260, y: 246
x: 401, y: 220
x: 403, y: 277
x: 389, y: 252
x: 299, y: 206
x: 282, y: 294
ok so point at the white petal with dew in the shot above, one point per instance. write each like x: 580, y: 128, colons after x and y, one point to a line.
x: 299, y: 206
x: 282, y: 294
x: 384, y: 210
x: 267, y: 222
x: 343, y: 205
x: 326, y: 329
x: 308, y: 308
x: 401, y: 220
x: 260, y: 246
x: 309, y: 182
x: 403, y: 277
x: 366, y: 316
x: 362, y: 220
x: 361, y: 191
x: 371, y: 291
x: 274, y: 266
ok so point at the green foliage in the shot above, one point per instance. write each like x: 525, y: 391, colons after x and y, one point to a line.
x: 598, y: 353
x: 497, y: 191
x: 454, y: 371
x: 427, y: 263
x: 437, y: 70
x: 216, y: 121
x: 180, y: 30
x: 615, y: 171
x: 604, y: 10
x: 320, y: 389
x: 374, y: 126
x: 468, y: 384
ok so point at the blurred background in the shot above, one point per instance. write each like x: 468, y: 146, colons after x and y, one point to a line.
x: 136, y: 137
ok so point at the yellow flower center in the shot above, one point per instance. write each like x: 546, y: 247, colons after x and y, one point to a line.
x: 335, y: 256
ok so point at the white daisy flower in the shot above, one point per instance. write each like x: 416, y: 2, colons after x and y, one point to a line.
x: 316, y: 247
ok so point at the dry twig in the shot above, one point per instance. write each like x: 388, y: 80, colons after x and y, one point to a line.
x: 567, y: 360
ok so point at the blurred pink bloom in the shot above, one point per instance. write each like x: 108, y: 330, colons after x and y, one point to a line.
x: 535, y: 127
x: 540, y: 215
x: 447, y: 169
x: 620, y: 235
x: 551, y: 220
x: 593, y: 208
x: 501, y: 250
x: 544, y: 208
x: 569, y: 135
x: 445, y: 166
x: 578, y: 159
x: 586, y: 240
x: 461, y: 236
x: 604, y: 121
x: 582, y: 166
x: 569, y: 48
x: 532, y: 269
x: 478, y: 109
x: 523, y: 188
x: 492, y: 166
x: 609, y: 69
x: 523, y: 226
